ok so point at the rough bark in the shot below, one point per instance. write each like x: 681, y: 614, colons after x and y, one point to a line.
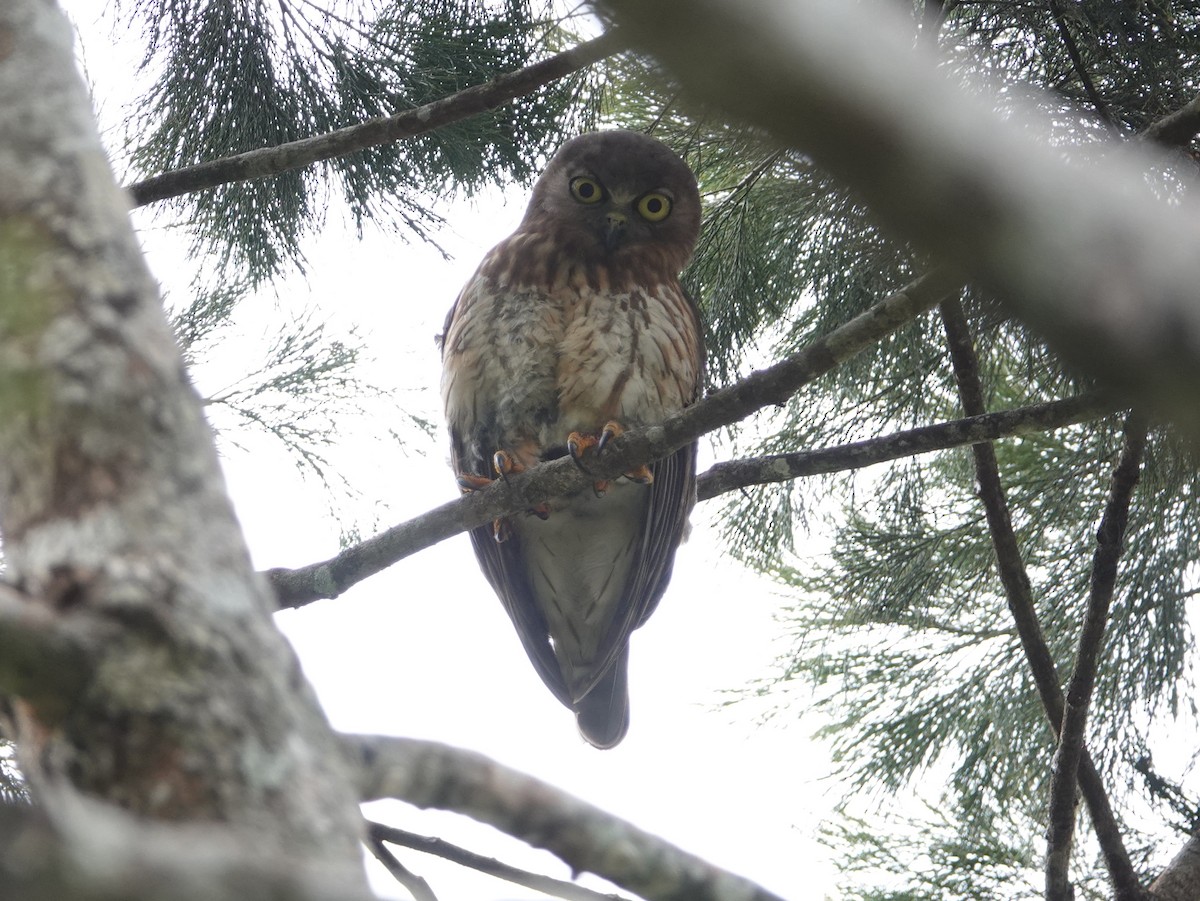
x: 115, y: 519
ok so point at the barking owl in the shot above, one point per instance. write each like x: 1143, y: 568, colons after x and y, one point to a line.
x: 574, y: 328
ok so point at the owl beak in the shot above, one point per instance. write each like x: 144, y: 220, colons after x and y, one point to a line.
x: 614, y: 230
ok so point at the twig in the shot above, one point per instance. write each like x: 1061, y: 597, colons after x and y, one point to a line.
x: 1085, y: 78
x: 767, y: 387
x: 417, y: 887
x: 430, y: 774
x: 268, y: 161
x: 547, y: 885
x: 1109, y: 546
x: 1017, y: 590
x: 735, y: 474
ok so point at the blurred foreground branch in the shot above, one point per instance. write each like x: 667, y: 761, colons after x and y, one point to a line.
x: 430, y: 774
x: 1082, y: 251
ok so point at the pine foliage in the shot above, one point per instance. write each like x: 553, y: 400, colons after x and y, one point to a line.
x: 231, y: 76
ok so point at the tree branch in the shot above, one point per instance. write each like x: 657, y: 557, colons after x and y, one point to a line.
x: 1179, y: 880
x: 268, y: 161
x: 1082, y: 252
x: 770, y: 386
x: 85, y: 851
x: 327, y: 579
x: 547, y: 885
x: 736, y: 474
x: 1019, y: 593
x: 417, y: 887
x: 430, y: 774
x: 1176, y: 130
x: 1085, y: 78
x: 1109, y: 546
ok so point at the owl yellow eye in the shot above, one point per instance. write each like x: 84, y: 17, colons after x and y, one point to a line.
x: 586, y: 190
x: 654, y: 207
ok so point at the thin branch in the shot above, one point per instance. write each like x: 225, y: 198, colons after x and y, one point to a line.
x: 417, y: 887
x: 547, y: 885
x: 1109, y: 546
x: 430, y: 774
x: 736, y: 474
x: 1077, y: 63
x: 1082, y: 252
x: 268, y: 161
x: 767, y: 387
x: 1019, y: 593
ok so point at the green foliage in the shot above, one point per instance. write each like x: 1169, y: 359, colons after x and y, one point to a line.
x: 235, y: 76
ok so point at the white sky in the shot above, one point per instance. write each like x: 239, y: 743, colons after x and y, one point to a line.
x: 425, y: 649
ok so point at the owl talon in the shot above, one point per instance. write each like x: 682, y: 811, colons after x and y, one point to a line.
x: 611, y: 430
x: 470, y: 482
x: 642, y: 475
x: 505, y: 465
x: 577, y: 443
x: 500, y: 530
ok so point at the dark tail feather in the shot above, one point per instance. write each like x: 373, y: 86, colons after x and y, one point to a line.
x: 603, y: 713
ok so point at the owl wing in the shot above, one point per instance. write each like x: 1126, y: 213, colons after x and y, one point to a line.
x: 504, y: 568
x: 672, y: 496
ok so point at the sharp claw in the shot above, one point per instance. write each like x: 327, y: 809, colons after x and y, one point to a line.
x: 500, y: 530
x: 576, y: 445
x: 469, y: 482
x: 502, y: 463
x: 611, y: 430
x: 600, y: 488
x: 642, y: 475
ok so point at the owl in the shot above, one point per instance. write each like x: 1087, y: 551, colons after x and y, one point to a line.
x: 574, y: 328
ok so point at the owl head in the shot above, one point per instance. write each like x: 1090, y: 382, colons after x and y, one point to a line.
x: 613, y: 195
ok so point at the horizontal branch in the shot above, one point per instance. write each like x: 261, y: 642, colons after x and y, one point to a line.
x: 736, y: 474
x: 547, y: 885
x: 767, y: 387
x: 430, y: 774
x: 268, y: 161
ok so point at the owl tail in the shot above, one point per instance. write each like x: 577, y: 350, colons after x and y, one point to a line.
x: 603, y: 713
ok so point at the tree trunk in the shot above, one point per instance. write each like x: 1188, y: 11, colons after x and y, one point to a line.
x: 175, y: 697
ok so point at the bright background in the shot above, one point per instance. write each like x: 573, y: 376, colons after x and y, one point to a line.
x: 425, y: 649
